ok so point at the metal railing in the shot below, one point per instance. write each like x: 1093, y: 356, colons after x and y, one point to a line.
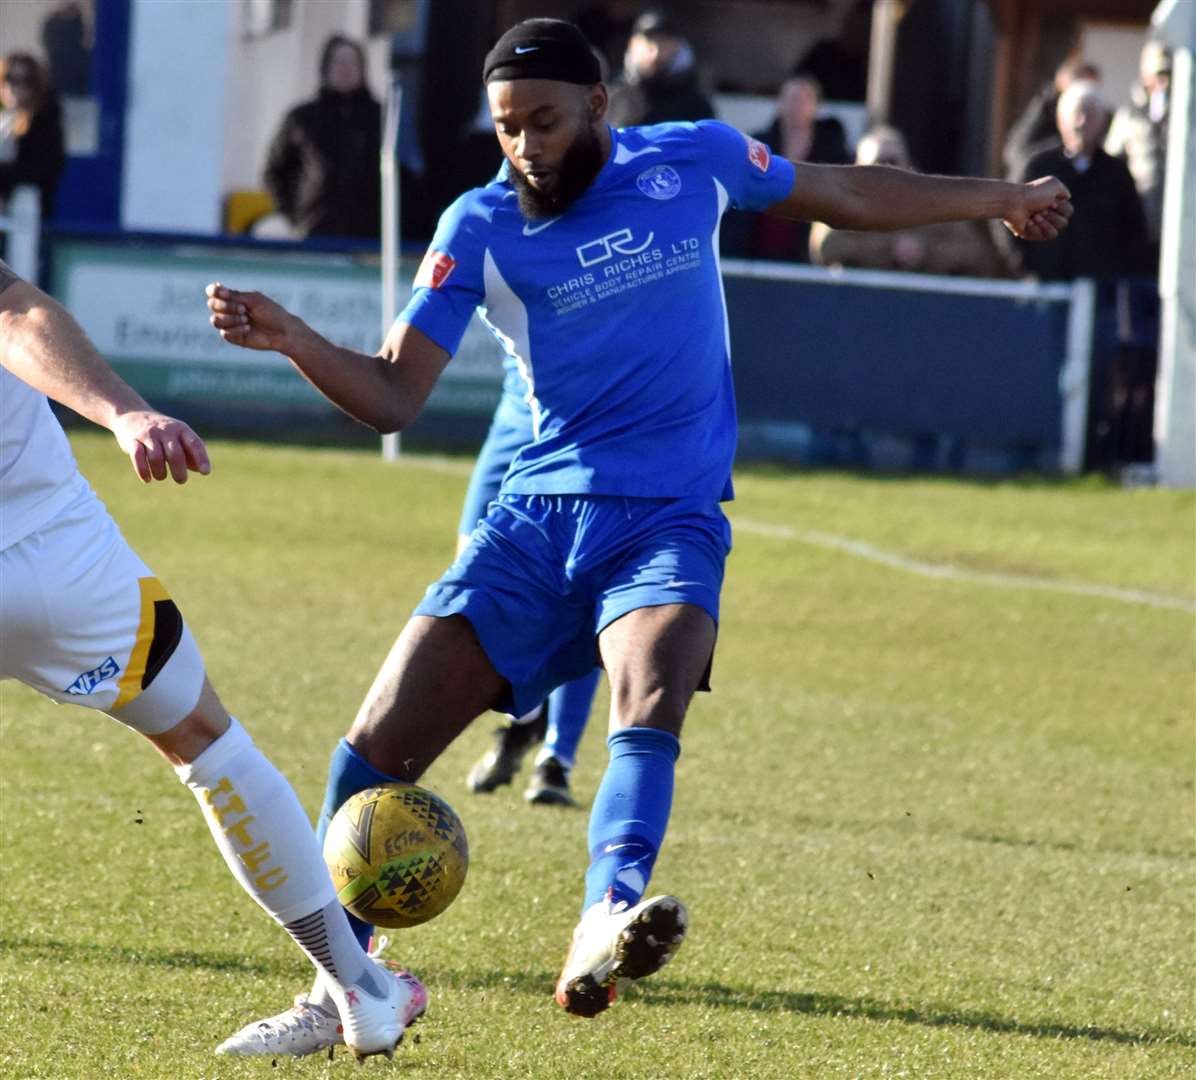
x: 1078, y: 297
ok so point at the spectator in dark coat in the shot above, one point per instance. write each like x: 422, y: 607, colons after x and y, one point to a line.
x: 1037, y: 129
x: 1114, y: 241
x: 65, y: 40
x: 322, y: 168
x: 31, y: 143
x: 659, y: 81
x: 1113, y: 248
x: 799, y: 134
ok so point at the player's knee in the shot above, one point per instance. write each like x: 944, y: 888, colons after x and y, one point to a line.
x: 660, y: 707
x: 203, y: 725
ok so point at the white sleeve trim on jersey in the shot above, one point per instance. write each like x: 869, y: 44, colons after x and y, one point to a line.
x: 723, y: 202
x: 502, y: 308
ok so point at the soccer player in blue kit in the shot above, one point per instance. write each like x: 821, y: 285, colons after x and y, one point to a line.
x: 593, y: 258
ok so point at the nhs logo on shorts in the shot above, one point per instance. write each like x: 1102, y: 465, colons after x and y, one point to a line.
x: 90, y: 680
x: 659, y: 182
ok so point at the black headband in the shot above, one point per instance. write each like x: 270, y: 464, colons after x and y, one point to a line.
x: 542, y: 49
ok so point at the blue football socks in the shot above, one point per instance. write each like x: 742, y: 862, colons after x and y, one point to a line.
x: 568, y: 711
x: 630, y: 814
x: 349, y: 773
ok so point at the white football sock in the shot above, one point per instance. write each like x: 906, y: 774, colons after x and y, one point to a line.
x: 268, y: 843
x: 327, y: 937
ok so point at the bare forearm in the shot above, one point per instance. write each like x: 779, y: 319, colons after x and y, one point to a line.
x: 880, y: 198
x: 358, y: 384
x: 42, y: 344
x: 385, y: 391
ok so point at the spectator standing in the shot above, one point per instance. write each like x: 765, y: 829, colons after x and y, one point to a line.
x: 951, y: 247
x: 322, y: 168
x: 1037, y: 129
x: 1138, y: 136
x: 659, y: 81
x: 1139, y: 133
x: 68, y: 50
x: 796, y: 134
x: 607, y: 26
x: 31, y: 143
x: 1112, y: 249
x: 1114, y: 240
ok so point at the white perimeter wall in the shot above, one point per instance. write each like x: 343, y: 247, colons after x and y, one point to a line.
x: 21, y: 25
x: 179, y: 55
x: 1175, y: 394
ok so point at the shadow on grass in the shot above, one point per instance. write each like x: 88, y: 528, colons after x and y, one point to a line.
x: 932, y: 1014
x: 658, y: 991
x: 87, y: 953
x: 906, y: 825
x: 716, y: 995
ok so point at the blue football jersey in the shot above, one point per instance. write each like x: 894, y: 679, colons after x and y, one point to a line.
x: 613, y: 313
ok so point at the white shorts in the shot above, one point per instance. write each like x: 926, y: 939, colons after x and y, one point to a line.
x: 83, y: 620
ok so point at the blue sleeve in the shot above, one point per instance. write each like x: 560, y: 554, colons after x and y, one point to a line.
x: 449, y: 284
x: 755, y: 177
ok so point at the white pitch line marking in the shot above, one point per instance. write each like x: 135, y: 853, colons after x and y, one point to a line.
x: 946, y: 571
x: 862, y: 550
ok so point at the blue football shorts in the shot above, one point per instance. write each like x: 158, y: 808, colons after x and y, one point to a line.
x: 510, y: 429
x: 543, y: 575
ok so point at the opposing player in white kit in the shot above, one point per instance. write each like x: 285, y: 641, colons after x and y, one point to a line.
x: 84, y: 621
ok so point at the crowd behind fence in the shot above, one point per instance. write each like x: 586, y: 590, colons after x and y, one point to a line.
x: 662, y: 67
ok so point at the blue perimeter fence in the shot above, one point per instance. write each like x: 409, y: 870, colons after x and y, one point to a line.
x: 832, y: 368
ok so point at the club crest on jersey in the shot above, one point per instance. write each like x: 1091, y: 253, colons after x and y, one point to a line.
x: 434, y: 270
x: 659, y: 182
x: 89, y: 680
x: 758, y: 154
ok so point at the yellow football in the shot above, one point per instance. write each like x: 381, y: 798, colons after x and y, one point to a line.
x: 397, y: 853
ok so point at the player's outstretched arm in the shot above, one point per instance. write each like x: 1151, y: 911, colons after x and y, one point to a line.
x: 387, y: 391
x: 877, y: 197
x: 42, y: 345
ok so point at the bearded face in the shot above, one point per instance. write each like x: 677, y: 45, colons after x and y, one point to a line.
x: 579, y: 166
x: 549, y: 132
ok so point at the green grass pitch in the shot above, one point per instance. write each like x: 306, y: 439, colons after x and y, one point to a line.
x: 927, y: 826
